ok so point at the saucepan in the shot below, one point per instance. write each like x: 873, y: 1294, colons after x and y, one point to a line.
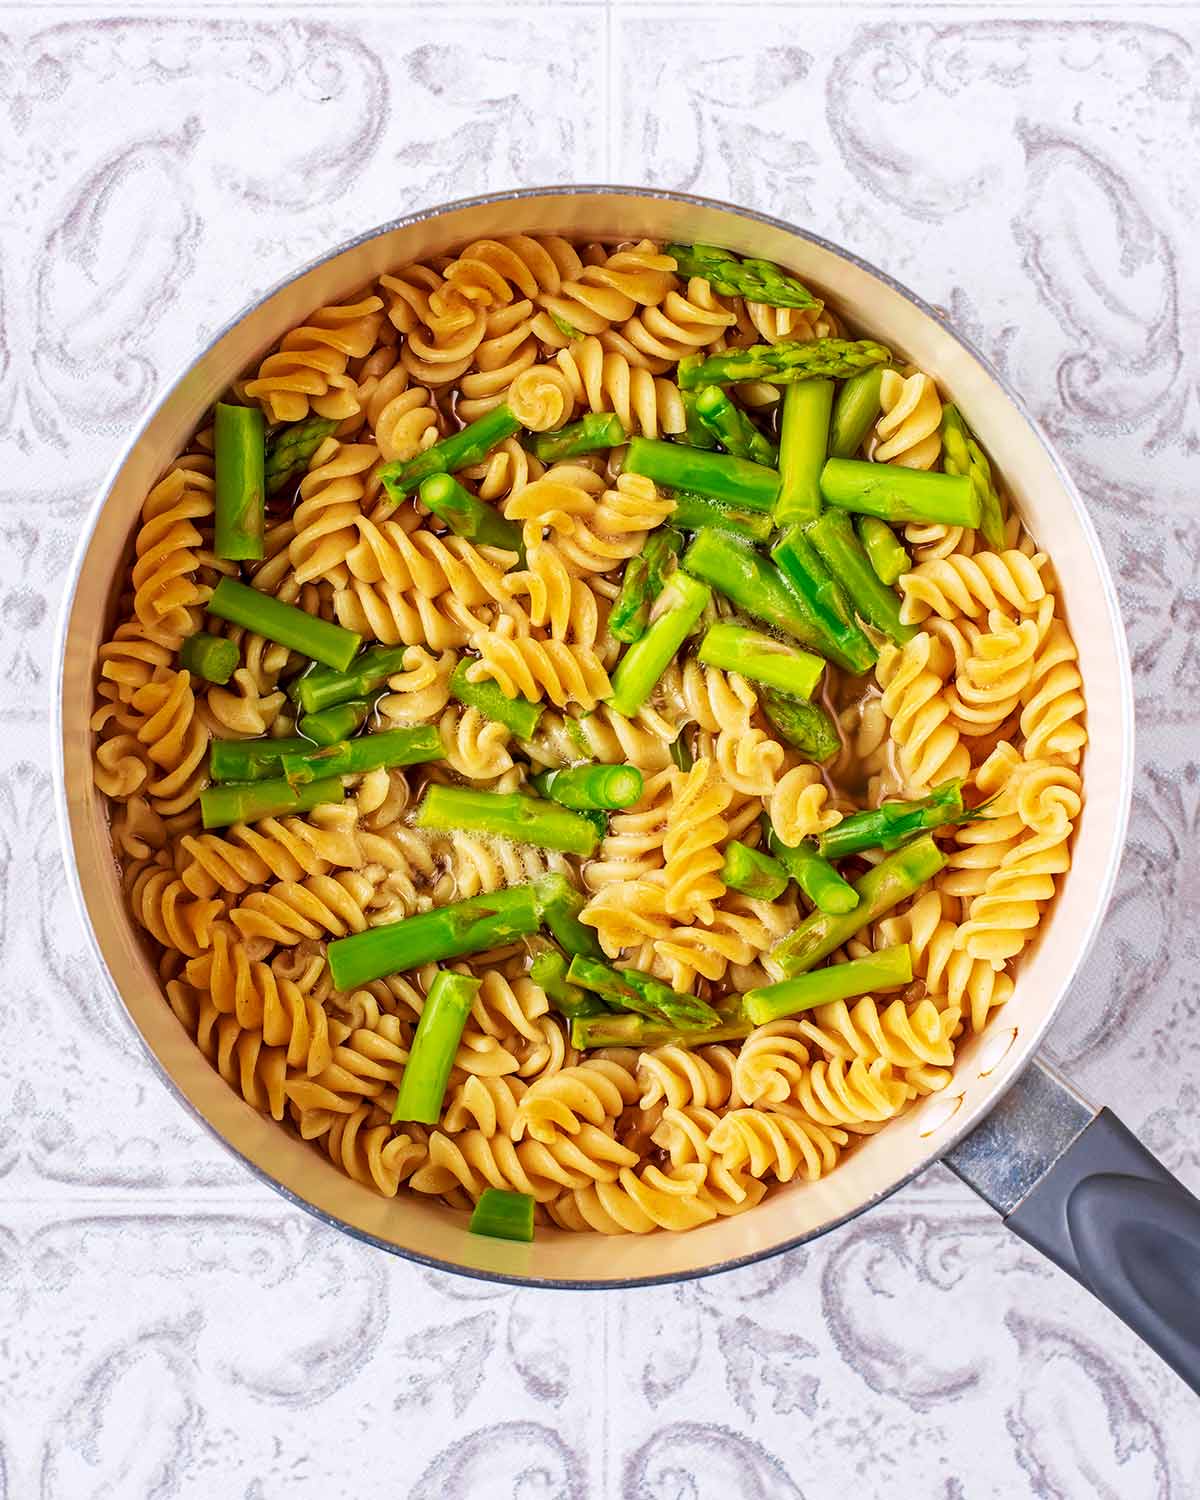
x: 1069, y: 1179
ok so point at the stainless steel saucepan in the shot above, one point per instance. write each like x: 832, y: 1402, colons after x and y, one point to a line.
x: 1072, y: 1181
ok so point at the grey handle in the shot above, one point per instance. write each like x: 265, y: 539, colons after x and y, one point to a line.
x: 1094, y: 1200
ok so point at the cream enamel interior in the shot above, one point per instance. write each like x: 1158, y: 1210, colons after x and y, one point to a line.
x: 986, y: 1064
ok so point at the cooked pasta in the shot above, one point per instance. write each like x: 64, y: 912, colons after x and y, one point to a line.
x: 513, y: 610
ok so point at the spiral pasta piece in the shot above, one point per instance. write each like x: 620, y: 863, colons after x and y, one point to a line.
x: 289, y: 910
x: 797, y: 806
x: 959, y: 585
x: 909, y: 431
x: 776, y: 1145
x: 1052, y: 705
x: 681, y: 323
x: 929, y: 747
x: 525, y: 668
x: 167, y: 593
x: 637, y: 1203
x: 917, y: 1040
x: 692, y: 839
x: 309, y: 370
x: 594, y: 1093
x: 287, y: 849
x: 683, y: 1077
x: 605, y: 380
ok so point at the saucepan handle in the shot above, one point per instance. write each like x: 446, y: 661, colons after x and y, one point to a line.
x: 1084, y: 1191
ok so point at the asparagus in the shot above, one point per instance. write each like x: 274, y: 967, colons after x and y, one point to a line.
x: 761, y: 658
x: 782, y: 363
x: 895, y: 879
x: 961, y: 454
x: 559, y: 905
x: 737, y: 571
x: 469, y: 446
x: 246, y: 802
x: 252, y: 760
x: 468, y: 516
x: 695, y: 434
x: 507, y: 815
x: 815, y: 876
x: 290, y: 449
x: 588, y: 787
x: 410, y: 746
x: 756, y: 280
x: 894, y: 822
x: 832, y: 534
x: 681, y: 753
x: 519, y: 714
x: 630, y: 989
x: 284, y: 623
x: 628, y: 1030
x: 821, y: 595
x: 720, y: 476
x: 855, y: 412
x: 323, y: 687
x: 672, y: 617
x: 599, y: 429
x: 502, y: 1214
x: 209, y: 656
x: 733, y: 429
x: 804, y: 725
x: 240, y: 499
x: 332, y: 725
x: 698, y: 513
x: 439, y: 1031
x: 486, y: 921
x: 753, y: 873
x: 645, y: 574
x: 549, y: 970
x: 894, y: 493
x: 887, y: 556
x: 885, y: 970
x: 803, y: 442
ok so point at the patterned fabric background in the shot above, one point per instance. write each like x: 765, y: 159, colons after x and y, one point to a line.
x: 170, y: 1328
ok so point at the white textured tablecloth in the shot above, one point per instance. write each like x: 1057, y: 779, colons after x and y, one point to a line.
x: 170, y: 1328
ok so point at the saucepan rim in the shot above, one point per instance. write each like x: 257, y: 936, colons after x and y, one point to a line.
x: 1028, y: 1042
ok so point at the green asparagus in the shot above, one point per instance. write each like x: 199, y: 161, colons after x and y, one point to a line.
x: 803, y: 443
x: 681, y: 753
x: 720, y: 476
x: 780, y: 364
x: 888, y: 557
x: 630, y: 989
x: 332, y: 725
x: 628, y: 1030
x: 756, y: 280
x: 434, y: 1045
x: 821, y: 594
x: 486, y: 921
x: 855, y: 412
x: 733, y: 429
x: 507, y: 815
x: 212, y: 657
x: 645, y: 574
x: 897, y: 878
x: 246, y: 802
x: 559, y: 905
x: 290, y: 449
x: 804, y: 725
x: 759, y: 590
x: 284, y: 623
x: 698, y: 513
x: 549, y: 970
x: 672, y: 617
x: 323, y: 687
x: 893, y: 823
x: 961, y: 454
x: 597, y: 430
x: 894, y: 493
x: 886, y: 969
x: 832, y: 534
x: 753, y: 873
x: 240, y: 494
x: 409, y: 746
x: 502, y: 1214
x: 695, y: 434
x: 252, y: 760
x: 589, y: 787
x: 761, y: 658
x: 469, y: 446
x: 815, y: 876
x: 467, y: 516
x: 519, y: 714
